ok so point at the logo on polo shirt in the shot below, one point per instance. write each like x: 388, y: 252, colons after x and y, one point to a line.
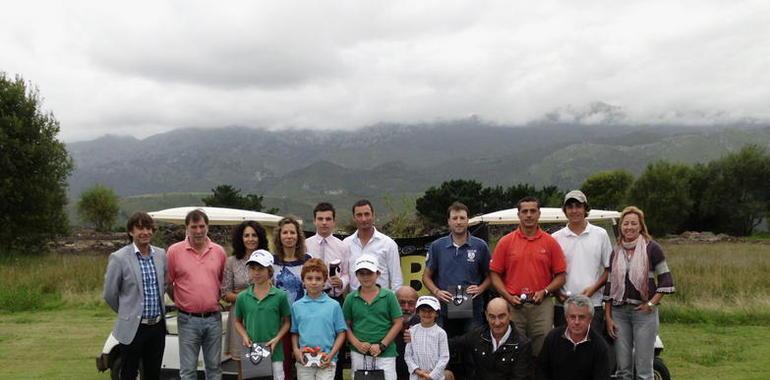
x: 471, y: 255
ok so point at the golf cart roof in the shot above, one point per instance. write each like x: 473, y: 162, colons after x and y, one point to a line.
x: 547, y: 215
x: 217, y: 216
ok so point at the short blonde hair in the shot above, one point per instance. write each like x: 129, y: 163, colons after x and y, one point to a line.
x: 636, y: 210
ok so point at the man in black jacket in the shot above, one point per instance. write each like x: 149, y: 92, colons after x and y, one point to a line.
x: 495, y: 351
x: 574, y: 351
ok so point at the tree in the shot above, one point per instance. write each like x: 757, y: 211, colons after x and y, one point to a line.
x: 434, y: 203
x: 34, y: 166
x: 736, y: 196
x: 663, y: 193
x: 607, y: 190
x: 98, y: 206
x: 229, y: 196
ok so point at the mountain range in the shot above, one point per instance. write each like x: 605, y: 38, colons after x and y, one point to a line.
x: 296, y: 168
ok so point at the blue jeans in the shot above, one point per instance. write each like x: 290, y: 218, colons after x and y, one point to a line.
x: 635, y: 343
x: 196, y: 333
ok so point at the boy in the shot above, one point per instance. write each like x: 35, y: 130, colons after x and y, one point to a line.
x: 316, y: 321
x: 263, y: 309
x: 374, y: 319
x: 428, y: 353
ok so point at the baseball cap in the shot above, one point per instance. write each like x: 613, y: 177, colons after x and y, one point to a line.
x: 367, y: 262
x: 261, y: 257
x: 429, y: 301
x: 576, y: 195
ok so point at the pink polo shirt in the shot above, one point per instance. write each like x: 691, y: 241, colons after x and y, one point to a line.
x: 196, y: 277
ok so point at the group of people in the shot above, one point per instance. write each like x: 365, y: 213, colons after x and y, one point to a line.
x: 311, y: 296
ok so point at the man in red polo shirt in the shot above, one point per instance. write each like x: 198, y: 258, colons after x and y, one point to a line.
x: 195, y: 267
x: 528, y: 266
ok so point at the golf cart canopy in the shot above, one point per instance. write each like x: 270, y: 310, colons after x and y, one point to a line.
x: 547, y: 215
x: 217, y: 216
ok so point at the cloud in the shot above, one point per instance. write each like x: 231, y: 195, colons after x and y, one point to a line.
x: 149, y: 67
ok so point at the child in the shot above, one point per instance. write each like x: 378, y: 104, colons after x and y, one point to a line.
x: 263, y: 309
x: 428, y: 353
x: 316, y: 321
x: 374, y: 319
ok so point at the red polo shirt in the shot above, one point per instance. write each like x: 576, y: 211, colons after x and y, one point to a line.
x: 527, y: 261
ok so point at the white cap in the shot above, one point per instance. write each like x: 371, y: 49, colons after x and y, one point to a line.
x: 576, y: 195
x: 261, y: 257
x: 367, y: 262
x: 430, y: 301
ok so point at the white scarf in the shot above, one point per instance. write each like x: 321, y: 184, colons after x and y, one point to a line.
x: 635, y: 264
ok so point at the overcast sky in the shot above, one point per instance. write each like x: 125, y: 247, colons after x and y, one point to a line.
x: 134, y: 68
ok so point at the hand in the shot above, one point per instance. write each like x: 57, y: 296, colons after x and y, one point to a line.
x: 407, y: 336
x: 612, y: 330
x: 588, y: 292
x: 561, y: 296
x: 644, y: 308
x: 473, y: 290
x: 374, y: 350
x: 363, y: 347
x: 515, y: 300
x: 326, y: 360
x: 246, y: 341
x: 422, y: 374
x: 272, y: 343
x: 539, y: 296
x: 443, y: 295
x: 335, y: 282
x: 299, y: 356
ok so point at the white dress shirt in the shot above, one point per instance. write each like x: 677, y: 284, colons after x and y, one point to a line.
x: 329, y: 249
x: 386, y: 251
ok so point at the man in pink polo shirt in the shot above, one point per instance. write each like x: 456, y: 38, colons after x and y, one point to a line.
x: 195, y: 267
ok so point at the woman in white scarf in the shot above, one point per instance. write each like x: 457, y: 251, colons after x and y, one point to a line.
x: 632, y: 295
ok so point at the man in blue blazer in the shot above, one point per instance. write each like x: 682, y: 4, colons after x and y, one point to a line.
x: 133, y: 286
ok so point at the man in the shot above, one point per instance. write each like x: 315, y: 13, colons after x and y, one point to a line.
x: 527, y: 266
x: 458, y: 259
x: 325, y: 246
x: 195, y: 267
x: 133, y: 287
x: 575, y: 351
x: 367, y: 240
x: 335, y: 254
x: 407, y: 299
x: 495, y: 351
x: 587, y: 250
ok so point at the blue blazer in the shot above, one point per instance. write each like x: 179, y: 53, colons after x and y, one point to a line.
x: 124, y: 291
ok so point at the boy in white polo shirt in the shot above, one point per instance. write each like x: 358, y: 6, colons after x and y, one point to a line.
x: 587, y: 250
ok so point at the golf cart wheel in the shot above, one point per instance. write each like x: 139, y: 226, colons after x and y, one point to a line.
x: 660, y: 371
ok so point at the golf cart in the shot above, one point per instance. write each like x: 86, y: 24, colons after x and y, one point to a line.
x: 109, y: 358
x: 603, y: 218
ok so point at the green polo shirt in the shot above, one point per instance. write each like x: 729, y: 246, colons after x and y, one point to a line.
x: 372, y: 321
x: 262, y: 318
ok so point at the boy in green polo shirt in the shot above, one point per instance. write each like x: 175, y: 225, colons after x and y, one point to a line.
x: 264, y: 310
x: 374, y: 319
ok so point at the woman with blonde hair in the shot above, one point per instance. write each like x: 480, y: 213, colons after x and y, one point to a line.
x: 639, y: 278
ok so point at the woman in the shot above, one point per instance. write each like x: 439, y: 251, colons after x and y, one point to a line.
x: 639, y: 277
x: 248, y: 237
x: 289, y: 258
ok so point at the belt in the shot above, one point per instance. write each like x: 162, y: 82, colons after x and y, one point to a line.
x: 199, y: 315
x: 151, y: 321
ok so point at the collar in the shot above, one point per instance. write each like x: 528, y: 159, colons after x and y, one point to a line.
x: 451, y: 242
x: 497, y: 344
x: 139, y: 253
x: 375, y: 235
x: 272, y: 291
x: 189, y: 246
x: 585, y: 231
x: 538, y: 234
x: 575, y: 344
x: 380, y: 294
x: 307, y: 299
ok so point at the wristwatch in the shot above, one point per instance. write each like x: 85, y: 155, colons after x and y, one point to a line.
x: 547, y: 293
x: 382, y: 346
x: 650, y: 304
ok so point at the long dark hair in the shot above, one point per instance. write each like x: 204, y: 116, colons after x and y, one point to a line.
x: 239, y: 249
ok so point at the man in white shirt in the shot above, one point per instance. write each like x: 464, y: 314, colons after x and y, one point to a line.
x: 368, y: 240
x: 587, y: 250
x: 325, y: 246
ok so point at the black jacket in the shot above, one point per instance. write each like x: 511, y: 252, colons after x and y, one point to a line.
x: 560, y: 359
x: 511, y: 360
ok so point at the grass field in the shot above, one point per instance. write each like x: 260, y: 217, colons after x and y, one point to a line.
x: 53, y: 321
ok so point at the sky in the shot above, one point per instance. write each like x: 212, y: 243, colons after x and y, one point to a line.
x: 141, y: 68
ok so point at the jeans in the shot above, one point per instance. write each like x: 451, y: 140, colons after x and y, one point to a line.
x: 635, y: 343
x: 196, y: 333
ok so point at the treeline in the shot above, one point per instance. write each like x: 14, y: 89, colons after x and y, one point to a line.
x: 729, y: 195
